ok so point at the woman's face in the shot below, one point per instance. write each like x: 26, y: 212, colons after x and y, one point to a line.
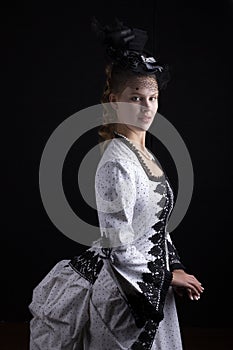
x: 137, y: 104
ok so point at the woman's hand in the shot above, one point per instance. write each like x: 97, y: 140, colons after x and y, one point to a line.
x: 182, y: 280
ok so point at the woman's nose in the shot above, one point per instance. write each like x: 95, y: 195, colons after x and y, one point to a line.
x: 145, y: 104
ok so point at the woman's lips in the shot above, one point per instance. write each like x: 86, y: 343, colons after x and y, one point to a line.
x: 145, y: 119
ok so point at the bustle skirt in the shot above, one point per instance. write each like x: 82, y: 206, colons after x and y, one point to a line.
x: 70, y: 313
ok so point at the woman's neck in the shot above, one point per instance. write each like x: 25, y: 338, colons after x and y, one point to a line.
x: 136, y: 136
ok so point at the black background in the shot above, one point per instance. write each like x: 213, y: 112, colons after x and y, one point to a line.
x: 54, y: 67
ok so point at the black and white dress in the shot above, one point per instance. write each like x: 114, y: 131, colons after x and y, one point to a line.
x: 119, y: 296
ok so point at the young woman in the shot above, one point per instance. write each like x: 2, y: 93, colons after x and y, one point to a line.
x: 118, y: 294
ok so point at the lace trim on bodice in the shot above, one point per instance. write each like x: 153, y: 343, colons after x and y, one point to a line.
x: 147, y: 170
x: 156, y: 283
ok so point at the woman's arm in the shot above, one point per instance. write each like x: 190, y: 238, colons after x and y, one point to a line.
x: 180, y: 279
x: 115, y: 191
x: 174, y: 258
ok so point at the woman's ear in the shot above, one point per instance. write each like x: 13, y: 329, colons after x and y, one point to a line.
x: 113, y: 101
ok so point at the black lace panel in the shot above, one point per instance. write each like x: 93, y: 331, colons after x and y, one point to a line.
x: 88, y: 265
x: 138, y: 302
x: 146, y: 337
x: 174, y: 259
x: 155, y: 284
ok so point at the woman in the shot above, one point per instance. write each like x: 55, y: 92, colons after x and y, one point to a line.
x: 118, y: 294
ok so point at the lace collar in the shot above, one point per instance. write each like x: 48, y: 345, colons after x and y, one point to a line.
x: 130, y: 144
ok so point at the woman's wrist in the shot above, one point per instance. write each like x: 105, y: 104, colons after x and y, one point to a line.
x: 172, y: 278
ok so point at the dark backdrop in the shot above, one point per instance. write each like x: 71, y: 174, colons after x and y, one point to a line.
x: 54, y: 67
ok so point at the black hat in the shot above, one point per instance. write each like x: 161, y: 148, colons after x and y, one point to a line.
x: 125, y: 48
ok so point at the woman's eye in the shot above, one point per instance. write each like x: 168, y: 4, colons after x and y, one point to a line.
x: 135, y: 98
x: 138, y: 99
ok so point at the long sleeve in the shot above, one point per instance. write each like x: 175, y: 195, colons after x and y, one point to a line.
x: 115, y: 188
x: 174, y: 258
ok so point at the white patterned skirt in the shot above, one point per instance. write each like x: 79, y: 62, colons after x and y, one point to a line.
x: 70, y: 313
